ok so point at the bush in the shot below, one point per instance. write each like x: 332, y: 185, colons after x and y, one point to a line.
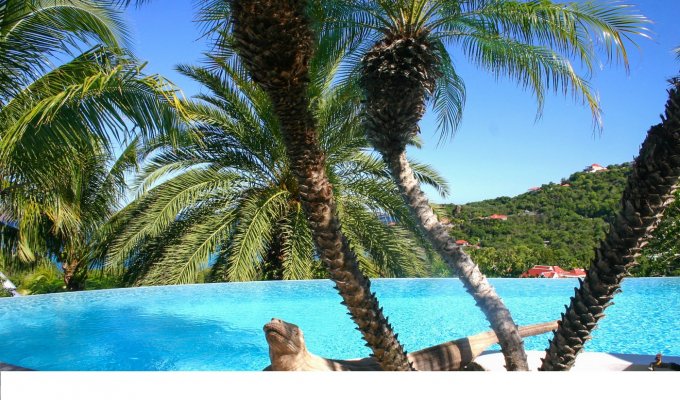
x: 102, y: 280
x: 42, y: 280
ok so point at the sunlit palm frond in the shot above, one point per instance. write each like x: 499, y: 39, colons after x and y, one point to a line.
x: 298, y: 247
x: 381, y: 244
x: 429, y: 176
x: 163, y: 206
x: 536, y: 68
x: 256, y: 217
x: 33, y: 31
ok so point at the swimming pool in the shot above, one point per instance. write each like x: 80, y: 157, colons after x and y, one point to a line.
x: 219, y: 326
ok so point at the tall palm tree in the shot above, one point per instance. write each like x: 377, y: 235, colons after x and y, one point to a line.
x: 529, y: 42
x: 230, y: 190
x: 54, y: 117
x: 276, y: 43
x: 648, y: 192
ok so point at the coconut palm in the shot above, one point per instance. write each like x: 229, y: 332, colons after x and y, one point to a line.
x: 67, y: 222
x: 35, y: 33
x: 55, y: 117
x: 230, y: 191
x: 648, y: 192
x: 530, y: 42
x: 276, y: 43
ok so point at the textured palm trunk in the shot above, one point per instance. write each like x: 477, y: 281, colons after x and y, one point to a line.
x: 73, y: 276
x: 398, y: 74
x: 274, y: 258
x: 275, y: 42
x: 472, y: 278
x: 648, y: 192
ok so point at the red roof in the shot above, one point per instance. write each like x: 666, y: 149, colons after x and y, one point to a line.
x: 498, y: 216
x: 462, y: 242
x: 534, y: 189
x: 553, y: 271
x: 575, y: 273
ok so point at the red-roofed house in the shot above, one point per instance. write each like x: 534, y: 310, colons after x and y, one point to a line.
x: 499, y: 216
x: 534, y: 189
x: 595, y: 168
x: 553, y: 271
x: 575, y: 273
x: 461, y: 242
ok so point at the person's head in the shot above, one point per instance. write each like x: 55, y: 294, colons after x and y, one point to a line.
x: 658, y: 357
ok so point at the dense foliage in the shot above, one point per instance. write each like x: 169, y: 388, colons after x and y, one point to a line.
x: 556, y: 224
x: 71, y: 97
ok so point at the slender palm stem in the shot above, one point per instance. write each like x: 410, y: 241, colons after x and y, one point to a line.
x: 648, y: 192
x: 472, y: 278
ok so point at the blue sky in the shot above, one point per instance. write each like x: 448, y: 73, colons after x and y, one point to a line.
x: 499, y: 149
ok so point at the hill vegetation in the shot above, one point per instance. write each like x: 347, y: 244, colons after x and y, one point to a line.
x: 557, y: 224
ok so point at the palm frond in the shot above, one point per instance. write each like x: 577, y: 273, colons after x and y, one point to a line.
x: 536, y: 68
x: 164, y: 205
x: 298, y: 247
x: 253, y: 233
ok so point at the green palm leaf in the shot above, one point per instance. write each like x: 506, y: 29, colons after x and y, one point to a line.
x: 248, y: 244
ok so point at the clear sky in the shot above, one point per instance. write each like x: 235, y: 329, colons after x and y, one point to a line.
x: 499, y: 149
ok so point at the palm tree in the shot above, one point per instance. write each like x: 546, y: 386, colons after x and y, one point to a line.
x: 67, y: 223
x: 52, y: 118
x: 528, y: 41
x: 648, y: 192
x: 230, y: 190
x: 276, y: 43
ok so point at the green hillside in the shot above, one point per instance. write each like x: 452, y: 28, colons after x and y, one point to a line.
x: 556, y: 224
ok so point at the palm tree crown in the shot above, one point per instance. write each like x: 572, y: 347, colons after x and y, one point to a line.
x: 530, y: 42
x: 68, y: 94
x: 230, y: 190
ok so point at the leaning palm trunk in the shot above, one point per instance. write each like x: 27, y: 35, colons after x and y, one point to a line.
x: 649, y: 191
x: 472, y: 278
x: 275, y: 42
x: 398, y: 75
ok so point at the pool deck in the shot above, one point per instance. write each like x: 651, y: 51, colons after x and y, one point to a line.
x: 493, y: 361
x: 586, y: 361
x: 10, y: 367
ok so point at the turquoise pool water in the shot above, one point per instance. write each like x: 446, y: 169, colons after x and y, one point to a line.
x: 219, y: 326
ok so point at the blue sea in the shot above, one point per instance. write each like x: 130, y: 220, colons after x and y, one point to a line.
x: 218, y: 327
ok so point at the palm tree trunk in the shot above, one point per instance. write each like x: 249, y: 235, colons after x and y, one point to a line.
x: 275, y: 42
x: 472, y: 278
x: 273, y: 261
x: 73, y: 275
x: 648, y: 192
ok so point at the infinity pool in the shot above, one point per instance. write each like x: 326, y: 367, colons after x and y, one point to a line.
x: 219, y: 326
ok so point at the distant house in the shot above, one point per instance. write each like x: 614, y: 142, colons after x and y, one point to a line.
x: 565, y: 185
x: 499, y: 217
x: 461, y: 242
x: 574, y: 273
x: 552, y: 272
x: 595, y: 168
x: 534, y: 189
